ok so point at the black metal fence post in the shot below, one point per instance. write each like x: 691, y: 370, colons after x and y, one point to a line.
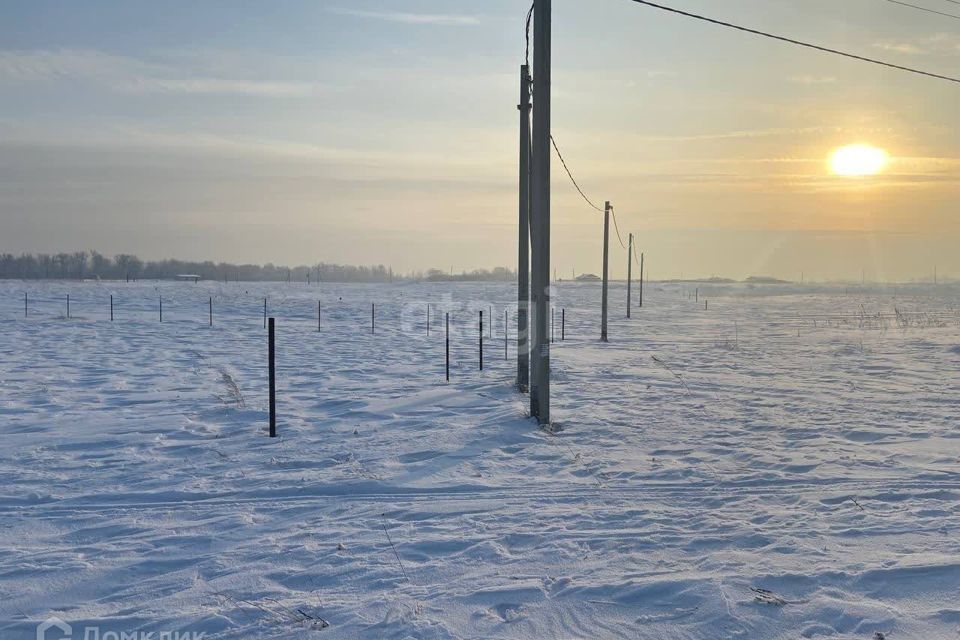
x: 481, y: 341
x: 273, y: 379
x: 448, y: 346
x: 506, y: 333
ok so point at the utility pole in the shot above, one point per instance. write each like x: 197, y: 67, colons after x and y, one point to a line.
x: 629, y: 270
x: 540, y: 229
x: 641, y: 279
x: 606, y: 270
x: 523, y: 255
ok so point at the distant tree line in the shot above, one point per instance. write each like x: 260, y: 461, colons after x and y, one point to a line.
x: 80, y: 265
x: 500, y: 274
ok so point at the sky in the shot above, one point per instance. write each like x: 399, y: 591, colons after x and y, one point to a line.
x: 375, y: 132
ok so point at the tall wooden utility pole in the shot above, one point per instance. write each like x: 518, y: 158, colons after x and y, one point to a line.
x: 629, y: 270
x: 523, y: 255
x: 540, y: 228
x: 606, y: 270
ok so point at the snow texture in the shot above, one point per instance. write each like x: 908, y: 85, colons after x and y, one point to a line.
x: 782, y: 465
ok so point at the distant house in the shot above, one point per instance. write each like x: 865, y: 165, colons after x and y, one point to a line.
x: 587, y: 277
x: 188, y: 277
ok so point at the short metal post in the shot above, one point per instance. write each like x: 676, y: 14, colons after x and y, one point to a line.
x: 428, y: 319
x: 318, y: 316
x: 264, y: 313
x: 111, y: 307
x: 481, y: 341
x: 506, y: 334
x: 273, y: 380
x: 68, y: 305
x: 161, y: 308
x: 563, y: 325
x: 373, y: 317
x: 448, y: 347
x: 24, y: 304
x: 211, y: 311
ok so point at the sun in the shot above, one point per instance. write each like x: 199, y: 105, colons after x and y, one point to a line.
x: 858, y: 160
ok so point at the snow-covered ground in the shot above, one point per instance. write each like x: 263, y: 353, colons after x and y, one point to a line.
x: 786, y: 439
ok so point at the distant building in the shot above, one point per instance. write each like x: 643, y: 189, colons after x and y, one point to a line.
x: 587, y: 277
x: 188, y: 277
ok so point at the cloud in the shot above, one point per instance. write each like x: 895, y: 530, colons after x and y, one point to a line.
x: 442, y: 19
x: 900, y: 47
x: 737, y: 135
x: 813, y: 80
x: 217, y: 86
x: 936, y: 44
x: 132, y: 75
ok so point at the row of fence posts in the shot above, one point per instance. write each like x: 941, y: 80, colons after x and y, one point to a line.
x: 269, y: 324
x: 373, y: 318
x: 271, y: 348
x: 696, y: 298
x: 26, y: 308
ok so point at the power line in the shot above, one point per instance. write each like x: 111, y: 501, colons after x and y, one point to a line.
x: 796, y: 42
x: 529, y: 16
x: 919, y: 8
x: 564, y: 163
x: 616, y: 227
x: 584, y: 196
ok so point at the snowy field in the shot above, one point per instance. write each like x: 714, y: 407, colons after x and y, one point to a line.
x: 804, y: 441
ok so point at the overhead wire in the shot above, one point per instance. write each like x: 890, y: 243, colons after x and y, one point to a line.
x: 527, y: 54
x: 926, y: 9
x: 616, y: 227
x: 570, y: 175
x: 800, y: 43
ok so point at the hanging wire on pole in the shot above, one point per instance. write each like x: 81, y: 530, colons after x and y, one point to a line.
x: 919, y: 8
x: 616, y: 228
x: 567, y: 169
x: 800, y: 43
x: 529, y: 17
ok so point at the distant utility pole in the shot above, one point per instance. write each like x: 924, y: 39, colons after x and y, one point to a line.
x: 540, y: 229
x: 641, y: 279
x: 629, y: 270
x: 606, y: 270
x: 523, y: 255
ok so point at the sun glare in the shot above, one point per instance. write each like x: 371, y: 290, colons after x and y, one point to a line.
x: 858, y: 160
